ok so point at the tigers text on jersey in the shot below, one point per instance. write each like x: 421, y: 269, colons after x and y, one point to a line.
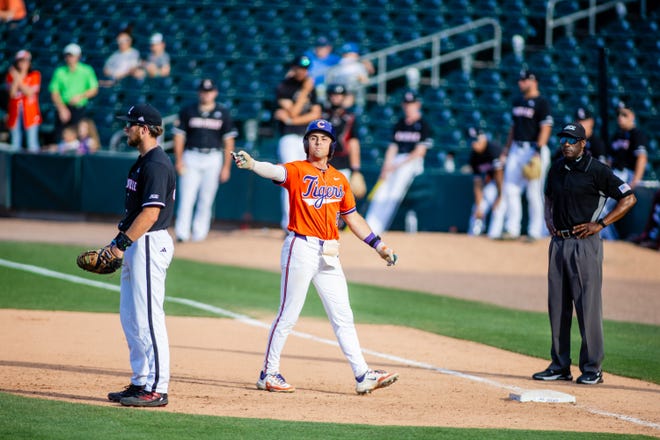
x: 528, y: 115
x: 317, y: 199
x: 151, y: 182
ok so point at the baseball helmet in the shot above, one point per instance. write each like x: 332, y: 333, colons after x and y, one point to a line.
x: 325, y: 127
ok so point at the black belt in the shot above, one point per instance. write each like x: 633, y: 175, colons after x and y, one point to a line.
x: 204, y: 150
x: 565, y: 233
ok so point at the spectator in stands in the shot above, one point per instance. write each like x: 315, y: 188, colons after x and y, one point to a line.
x: 650, y: 236
x: 487, y: 172
x: 24, y: 115
x: 71, y: 88
x: 527, y: 143
x: 158, y: 63
x: 628, y: 157
x: 12, y: 11
x: 346, y: 157
x: 322, y: 58
x: 125, y: 61
x: 404, y: 160
x: 352, y: 73
x: 595, y: 144
x: 297, y: 106
x: 88, y: 136
x: 69, y: 142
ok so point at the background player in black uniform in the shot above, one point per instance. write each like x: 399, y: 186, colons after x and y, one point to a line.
x: 297, y: 106
x: 577, y: 187
x: 595, y: 145
x: 527, y: 141
x: 627, y: 155
x: 346, y: 157
x: 487, y: 178
x: 147, y: 249
x: 204, y: 137
x: 404, y: 160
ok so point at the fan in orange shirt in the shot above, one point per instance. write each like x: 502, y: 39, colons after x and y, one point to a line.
x: 318, y: 195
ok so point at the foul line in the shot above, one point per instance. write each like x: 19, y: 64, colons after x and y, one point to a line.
x: 255, y: 323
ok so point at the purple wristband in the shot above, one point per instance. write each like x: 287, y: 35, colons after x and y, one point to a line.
x: 372, y: 240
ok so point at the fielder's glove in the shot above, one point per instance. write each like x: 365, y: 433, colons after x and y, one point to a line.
x: 101, y: 261
x: 243, y: 160
x: 532, y: 170
x: 386, y: 254
x: 358, y: 185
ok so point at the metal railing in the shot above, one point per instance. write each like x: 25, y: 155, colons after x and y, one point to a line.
x: 379, y: 58
x: 568, y: 20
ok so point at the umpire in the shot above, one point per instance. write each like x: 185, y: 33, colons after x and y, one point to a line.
x: 576, y: 190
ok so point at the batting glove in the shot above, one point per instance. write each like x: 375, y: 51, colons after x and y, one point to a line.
x: 386, y: 254
x: 243, y: 160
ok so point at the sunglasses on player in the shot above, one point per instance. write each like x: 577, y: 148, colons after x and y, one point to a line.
x: 568, y: 140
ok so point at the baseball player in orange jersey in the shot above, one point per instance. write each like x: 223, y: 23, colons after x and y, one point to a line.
x: 318, y: 195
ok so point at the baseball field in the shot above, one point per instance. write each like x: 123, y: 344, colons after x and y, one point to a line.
x: 462, y: 319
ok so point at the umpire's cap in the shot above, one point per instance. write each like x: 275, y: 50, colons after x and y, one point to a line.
x: 574, y: 130
x: 143, y: 114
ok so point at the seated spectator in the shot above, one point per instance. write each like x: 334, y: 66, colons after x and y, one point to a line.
x: 125, y: 61
x: 24, y: 114
x: 88, y: 136
x: 322, y: 58
x: 351, y: 73
x: 158, y: 63
x: 69, y: 143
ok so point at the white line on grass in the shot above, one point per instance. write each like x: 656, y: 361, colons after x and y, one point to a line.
x: 255, y: 323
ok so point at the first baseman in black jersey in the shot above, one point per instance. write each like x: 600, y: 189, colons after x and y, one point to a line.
x: 147, y: 249
x: 577, y: 187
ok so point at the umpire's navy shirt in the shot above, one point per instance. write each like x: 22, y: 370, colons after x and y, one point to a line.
x: 578, y: 190
x: 151, y: 182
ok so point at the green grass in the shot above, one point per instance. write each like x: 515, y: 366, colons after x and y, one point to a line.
x: 28, y: 419
x: 632, y: 350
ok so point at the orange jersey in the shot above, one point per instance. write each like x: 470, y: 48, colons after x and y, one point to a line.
x: 31, y: 111
x: 317, y: 199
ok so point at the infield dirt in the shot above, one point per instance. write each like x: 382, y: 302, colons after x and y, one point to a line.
x: 80, y: 357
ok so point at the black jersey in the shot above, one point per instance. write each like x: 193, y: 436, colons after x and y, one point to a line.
x: 578, y: 190
x: 625, y: 147
x: 528, y: 115
x: 485, y: 163
x: 205, y: 130
x: 289, y: 89
x: 346, y: 128
x: 408, y: 136
x: 151, y: 182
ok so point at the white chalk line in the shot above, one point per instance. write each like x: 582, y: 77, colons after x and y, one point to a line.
x: 256, y: 323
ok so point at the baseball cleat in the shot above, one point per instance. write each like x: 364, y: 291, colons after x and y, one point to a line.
x: 145, y: 398
x: 274, y: 382
x: 590, y: 378
x: 374, y: 379
x: 550, y: 374
x: 130, y: 391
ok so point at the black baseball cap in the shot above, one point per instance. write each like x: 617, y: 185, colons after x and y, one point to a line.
x: 143, y: 114
x: 583, y: 113
x: 206, y: 85
x: 409, y: 96
x: 527, y: 74
x: 336, y: 89
x: 574, y: 130
x: 473, y: 133
x: 301, y: 61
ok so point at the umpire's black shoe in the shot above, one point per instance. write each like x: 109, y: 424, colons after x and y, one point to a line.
x: 129, y: 391
x: 551, y: 374
x: 590, y: 378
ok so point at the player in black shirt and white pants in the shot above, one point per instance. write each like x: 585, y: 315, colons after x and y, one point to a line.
x: 204, y: 137
x: 147, y: 249
x: 528, y: 138
x: 578, y: 185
